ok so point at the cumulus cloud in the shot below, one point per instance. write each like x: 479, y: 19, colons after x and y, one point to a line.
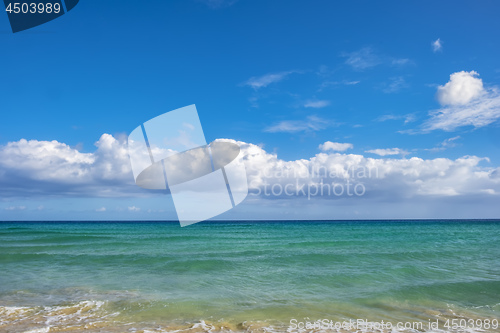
x: 462, y: 88
x: 50, y: 167
x: 134, y: 209
x: 437, y: 45
x: 316, y: 104
x: 258, y: 82
x: 465, y: 102
x: 335, y: 146
x: 387, y: 151
x: 102, y: 209
x: 390, y: 178
x: 311, y: 124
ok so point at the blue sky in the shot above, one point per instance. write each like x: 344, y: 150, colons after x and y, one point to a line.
x: 286, y: 76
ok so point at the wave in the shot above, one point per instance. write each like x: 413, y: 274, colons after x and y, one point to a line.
x: 101, y: 316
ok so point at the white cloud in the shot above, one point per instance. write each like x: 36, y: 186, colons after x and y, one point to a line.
x: 311, y: 124
x: 362, y: 59
x: 327, y: 84
x: 391, y: 178
x: 335, y: 146
x: 462, y: 88
x: 316, y: 104
x: 366, y: 58
x: 387, y: 151
x: 437, y: 45
x: 448, y: 143
x: 466, y: 102
x: 134, y: 209
x: 102, y: 209
x: 265, y: 80
x: 408, y: 118
x: 15, y: 208
x: 401, y: 62
x: 395, y: 84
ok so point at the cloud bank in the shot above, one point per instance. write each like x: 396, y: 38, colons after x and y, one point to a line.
x: 51, y: 168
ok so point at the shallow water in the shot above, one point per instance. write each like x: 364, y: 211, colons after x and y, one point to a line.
x: 247, y: 276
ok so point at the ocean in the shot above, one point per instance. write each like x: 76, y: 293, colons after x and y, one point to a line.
x: 250, y: 276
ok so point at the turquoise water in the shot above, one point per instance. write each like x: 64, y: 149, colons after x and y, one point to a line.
x: 126, y: 276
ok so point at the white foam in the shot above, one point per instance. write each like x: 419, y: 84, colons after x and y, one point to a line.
x: 39, y: 330
x: 8, y: 310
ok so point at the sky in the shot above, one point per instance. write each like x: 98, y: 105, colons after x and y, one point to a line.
x: 409, y: 88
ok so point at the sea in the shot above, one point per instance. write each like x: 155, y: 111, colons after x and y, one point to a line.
x: 250, y: 276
